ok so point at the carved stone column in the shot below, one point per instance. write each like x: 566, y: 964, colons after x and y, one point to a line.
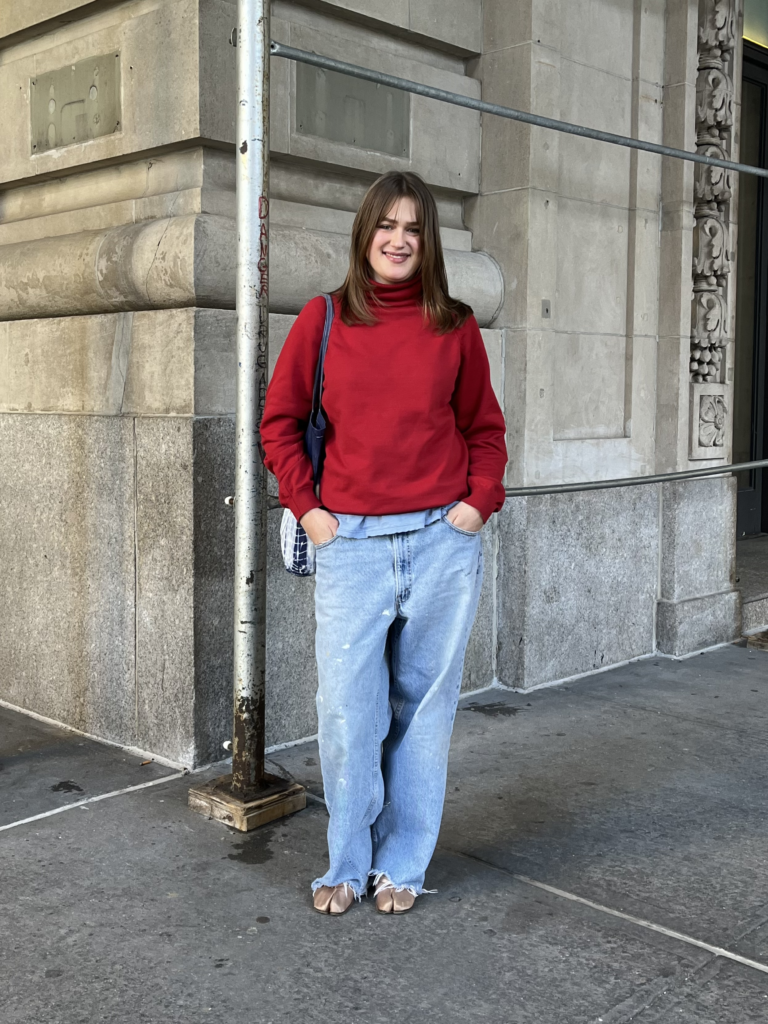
x: 698, y: 604
x: 713, y: 192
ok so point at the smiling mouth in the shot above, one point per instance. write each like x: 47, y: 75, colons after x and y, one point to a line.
x: 397, y: 257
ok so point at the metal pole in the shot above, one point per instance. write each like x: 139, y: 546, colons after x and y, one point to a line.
x: 250, y: 796
x: 406, y: 85
x: 252, y: 367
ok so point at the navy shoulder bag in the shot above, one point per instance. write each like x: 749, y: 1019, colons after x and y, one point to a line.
x: 298, y: 549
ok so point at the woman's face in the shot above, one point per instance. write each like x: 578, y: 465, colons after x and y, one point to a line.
x: 395, y: 252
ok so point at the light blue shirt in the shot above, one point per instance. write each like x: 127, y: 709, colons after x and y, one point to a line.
x: 360, y: 527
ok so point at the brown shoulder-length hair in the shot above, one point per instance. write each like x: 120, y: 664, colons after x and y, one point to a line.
x: 356, y: 296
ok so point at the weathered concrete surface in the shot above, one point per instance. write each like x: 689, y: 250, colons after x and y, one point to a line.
x: 641, y: 789
x: 177, y: 362
x: 754, y: 615
x: 648, y: 787
x: 752, y: 581
x: 577, y: 583
x: 698, y: 605
x: 698, y: 622
x: 115, y: 594
x: 67, y: 588
x: 752, y: 567
x: 194, y: 180
x: 49, y: 767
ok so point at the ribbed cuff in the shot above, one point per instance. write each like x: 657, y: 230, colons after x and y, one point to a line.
x: 303, y: 502
x: 485, y: 499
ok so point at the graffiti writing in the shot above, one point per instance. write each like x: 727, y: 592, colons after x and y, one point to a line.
x: 263, y: 263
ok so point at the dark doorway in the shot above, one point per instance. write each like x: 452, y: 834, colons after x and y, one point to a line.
x: 750, y: 424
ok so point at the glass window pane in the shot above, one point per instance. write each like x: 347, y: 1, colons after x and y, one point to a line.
x: 756, y: 21
x: 749, y: 195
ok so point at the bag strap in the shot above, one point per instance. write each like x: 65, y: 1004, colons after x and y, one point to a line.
x: 317, y: 392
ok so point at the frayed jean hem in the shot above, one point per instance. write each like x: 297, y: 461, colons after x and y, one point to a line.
x: 359, y: 893
x: 414, y: 890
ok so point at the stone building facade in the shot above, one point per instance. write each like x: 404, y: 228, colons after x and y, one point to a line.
x: 603, y: 279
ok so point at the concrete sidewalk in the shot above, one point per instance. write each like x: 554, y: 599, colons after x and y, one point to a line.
x: 642, y: 790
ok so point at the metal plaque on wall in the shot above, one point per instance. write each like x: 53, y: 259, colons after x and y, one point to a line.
x: 76, y: 103
x: 343, y: 109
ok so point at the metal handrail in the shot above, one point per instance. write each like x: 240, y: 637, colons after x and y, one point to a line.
x: 406, y: 85
x: 631, y: 481
x: 604, y: 485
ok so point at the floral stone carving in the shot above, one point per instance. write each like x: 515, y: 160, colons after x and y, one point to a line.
x: 712, y: 421
x: 713, y: 191
x: 709, y: 421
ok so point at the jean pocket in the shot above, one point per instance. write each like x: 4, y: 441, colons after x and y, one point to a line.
x: 327, y: 543
x: 457, y: 529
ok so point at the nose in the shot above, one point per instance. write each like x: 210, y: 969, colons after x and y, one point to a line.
x: 397, y: 241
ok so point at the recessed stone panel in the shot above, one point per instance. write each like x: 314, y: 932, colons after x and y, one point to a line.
x: 591, y: 268
x: 591, y: 170
x: 333, y: 106
x: 589, y: 375
x: 76, y: 103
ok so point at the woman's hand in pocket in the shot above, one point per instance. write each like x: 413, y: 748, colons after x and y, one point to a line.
x: 465, y: 517
x: 319, y: 525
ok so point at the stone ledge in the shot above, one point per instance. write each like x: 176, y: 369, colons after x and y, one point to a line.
x: 191, y: 261
x: 19, y: 21
x: 683, y: 627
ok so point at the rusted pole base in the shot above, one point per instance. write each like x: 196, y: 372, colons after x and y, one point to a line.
x: 277, y: 799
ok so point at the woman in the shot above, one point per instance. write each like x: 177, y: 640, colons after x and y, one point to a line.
x: 415, y: 454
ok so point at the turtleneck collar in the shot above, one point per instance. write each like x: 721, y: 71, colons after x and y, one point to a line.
x: 400, y: 295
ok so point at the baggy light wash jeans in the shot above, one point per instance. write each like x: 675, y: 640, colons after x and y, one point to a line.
x: 394, y: 614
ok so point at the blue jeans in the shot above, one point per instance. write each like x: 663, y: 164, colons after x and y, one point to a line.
x: 394, y: 614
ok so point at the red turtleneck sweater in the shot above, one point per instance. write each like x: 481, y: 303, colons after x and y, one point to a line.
x: 413, y: 422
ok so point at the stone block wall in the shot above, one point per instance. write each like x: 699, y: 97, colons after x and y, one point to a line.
x: 117, y: 336
x: 596, y: 246
x: 117, y: 339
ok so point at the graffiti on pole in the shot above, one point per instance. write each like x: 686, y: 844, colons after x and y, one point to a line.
x: 263, y: 263
x: 262, y: 345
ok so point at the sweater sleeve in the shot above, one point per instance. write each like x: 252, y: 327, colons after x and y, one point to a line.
x: 287, y: 409
x: 481, y: 422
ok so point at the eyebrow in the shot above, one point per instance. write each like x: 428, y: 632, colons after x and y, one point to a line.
x: 391, y: 220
